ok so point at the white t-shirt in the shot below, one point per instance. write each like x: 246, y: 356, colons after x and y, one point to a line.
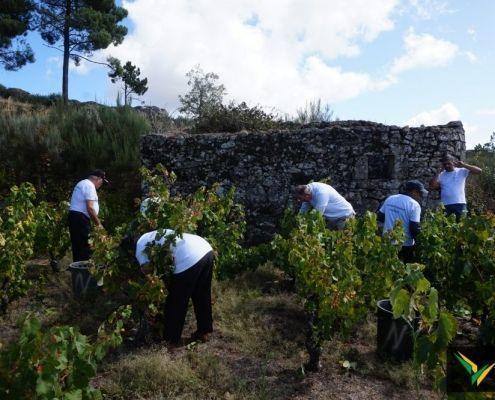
x: 404, y: 208
x: 85, y: 190
x: 452, y: 186
x: 186, y: 251
x: 328, y: 201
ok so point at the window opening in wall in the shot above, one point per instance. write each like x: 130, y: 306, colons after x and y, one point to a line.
x: 381, y: 166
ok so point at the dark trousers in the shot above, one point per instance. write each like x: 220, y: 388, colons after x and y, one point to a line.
x: 458, y: 210
x: 406, y: 254
x: 194, y: 283
x: 79, y: 228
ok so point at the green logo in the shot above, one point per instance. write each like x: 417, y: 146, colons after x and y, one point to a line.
x: 477, y: 375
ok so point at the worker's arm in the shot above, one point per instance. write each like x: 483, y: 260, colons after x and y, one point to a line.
x: 434, y: 182
x: 471, y: 168
x: 414, y: 218
x: 414, y: 229
x: 305, y: 207
x: 380, y: 217
x: 92, y: 213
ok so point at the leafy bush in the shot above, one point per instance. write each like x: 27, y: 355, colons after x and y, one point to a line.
x: 17, y: 232
x: 459, y: 258
x: 52, y: 234
x: 339, y: 275
x: 413, y: 297
x: 57, y: 363
x: 234, y: 118
x: 480, y: 188
x: 55, y: 149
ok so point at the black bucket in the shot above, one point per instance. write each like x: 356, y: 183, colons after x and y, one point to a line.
x: 394, y: 337
x: 82, y: 281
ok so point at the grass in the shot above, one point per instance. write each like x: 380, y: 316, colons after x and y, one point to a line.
x: 256, y: 352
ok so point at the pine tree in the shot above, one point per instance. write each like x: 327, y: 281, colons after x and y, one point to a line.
x: 81, y: 27
x: 128, y: 74
x: 15, y: 21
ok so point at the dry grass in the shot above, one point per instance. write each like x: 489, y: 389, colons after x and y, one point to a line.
x: 256, y: 352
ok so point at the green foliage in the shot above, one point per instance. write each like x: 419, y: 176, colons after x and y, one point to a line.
x: 15, y: 21
x: 414, y: 299
x: 215, y: 217
x: 339, y: 274
x: 52, y: 235
x: 55, y: 149
x: 57, y: 363
x: 204, y: 93
x: 234, y: 118
x: 128, y: 74
x: 17, y: 232
x: 81, y: 26
x: 460, y: 258
x: 480, y: 188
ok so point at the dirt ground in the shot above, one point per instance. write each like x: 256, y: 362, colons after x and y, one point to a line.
x: 256, y: 352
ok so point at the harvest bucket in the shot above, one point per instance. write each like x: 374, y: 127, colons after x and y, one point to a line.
x: 82, y: 281
x: 394, y: 337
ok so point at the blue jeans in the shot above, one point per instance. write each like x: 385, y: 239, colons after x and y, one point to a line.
x: 458, y: 209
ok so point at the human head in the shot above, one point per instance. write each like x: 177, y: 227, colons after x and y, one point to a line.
x: 98, y: 177
x: 127, y: 245
x: 416, y: 190
x: 448, y: 162
x: 303, y: 193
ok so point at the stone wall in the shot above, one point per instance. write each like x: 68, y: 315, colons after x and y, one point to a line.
x: 364, y: 161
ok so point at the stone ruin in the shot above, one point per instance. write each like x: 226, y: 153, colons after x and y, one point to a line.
x: 364, y: 161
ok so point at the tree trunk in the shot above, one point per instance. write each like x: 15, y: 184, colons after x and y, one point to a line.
x: 65, y: 68
x: 313, y: 340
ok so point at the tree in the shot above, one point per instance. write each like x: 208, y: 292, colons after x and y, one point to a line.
x: 204, y: 93
x: 15, y: 21
x: 128, y: 74
x: 81, y: 26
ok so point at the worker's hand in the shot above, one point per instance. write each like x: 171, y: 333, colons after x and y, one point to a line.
x: 459, y: 164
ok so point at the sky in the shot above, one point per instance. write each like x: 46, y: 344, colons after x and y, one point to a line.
x: 400, y: 62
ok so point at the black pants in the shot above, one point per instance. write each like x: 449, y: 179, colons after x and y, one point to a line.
x: 79, y: 228
x: 406, y: 254
x: 194, y: 283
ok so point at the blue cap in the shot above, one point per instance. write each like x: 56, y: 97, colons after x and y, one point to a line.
x: 416, y: 185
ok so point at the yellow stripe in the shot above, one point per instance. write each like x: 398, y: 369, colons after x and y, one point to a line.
x: 484, y: 374
x: 472, y: 364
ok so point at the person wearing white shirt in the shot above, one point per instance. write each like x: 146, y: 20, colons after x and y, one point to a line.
x: 406, y: 209
x: 451, y: 181
x: 193, y: 271
x: 327, y: 201
x: 83, y: 209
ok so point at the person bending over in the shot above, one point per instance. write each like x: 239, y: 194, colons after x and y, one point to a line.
x: 327, y: 201
x: 191, y: 279
x: 405, y: 208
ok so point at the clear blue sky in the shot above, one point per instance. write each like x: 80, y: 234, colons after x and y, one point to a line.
x: 393, y: 61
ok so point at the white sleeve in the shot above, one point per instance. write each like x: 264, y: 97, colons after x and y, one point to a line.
x: 415, y: 213
x: 89, y: 192
x: 321, y: 201
x: 382, y: 208
x: 464, y: 172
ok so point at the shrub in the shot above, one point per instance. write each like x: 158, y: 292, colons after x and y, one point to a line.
x: 57, y: 363
x: 17, y: 232
x: 234, y: 118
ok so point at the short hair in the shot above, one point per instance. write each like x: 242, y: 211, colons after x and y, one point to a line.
x: 447, y: 158
x: 302, y: 190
